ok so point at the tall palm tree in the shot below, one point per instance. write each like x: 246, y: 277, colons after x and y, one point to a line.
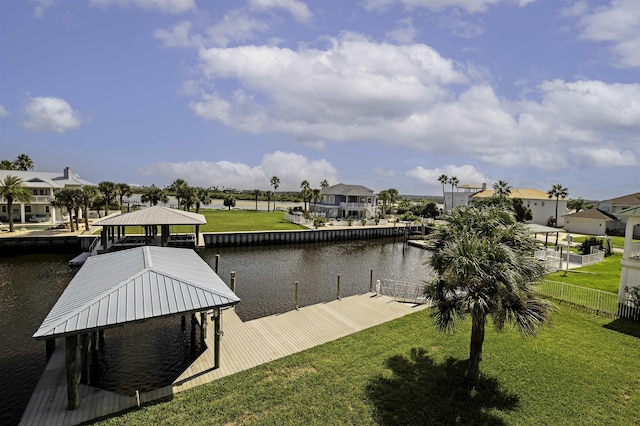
x: 153, y: 195
x: 188, y: 197
x: 316, y: 196
x: 11, y: 189
x: 275, y: 182
x: 306, y: 192
x: 67, y: 199
x: 178, y: 187
x: 453, y: 181
x: 444, y: 179
x: 268, y: 194
x: 7, y: 165
x: 257, y: 193
x: 202, y: 196
x: 23, y: 162
x: 324, y: 184
x: 557, y: 191
x: 483, y: 268
x: 88, y: 194
x: 393, y: 195
x: 107, y: 189
x: 502, y: 189
x: 122, y: 190
x: 384, y: 196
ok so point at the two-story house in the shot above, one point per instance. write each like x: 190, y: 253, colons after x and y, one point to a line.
x: 604, y: 217
x: 43, y: 187
x: 542, y: 207
x: 343, y: 201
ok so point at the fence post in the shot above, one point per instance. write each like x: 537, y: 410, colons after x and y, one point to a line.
x: 598, y: 304
x: 338, y: 296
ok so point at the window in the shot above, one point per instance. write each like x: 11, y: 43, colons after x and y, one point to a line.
x: 4, y: 209
x: 46, y: 209
x: 332, y: 199
x: 27, y: 209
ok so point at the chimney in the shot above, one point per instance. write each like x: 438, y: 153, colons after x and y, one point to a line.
x: 67, y: 172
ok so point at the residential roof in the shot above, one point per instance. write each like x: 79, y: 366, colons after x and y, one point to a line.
x: 132, y: 285
x: 633, y: 211
x: 535, y: 228
x: 592, y: 214
x: 342, y: 189
x: 523, y: 193
x: 626, y: 200
x: 156, y: 215
x: 34, y: 179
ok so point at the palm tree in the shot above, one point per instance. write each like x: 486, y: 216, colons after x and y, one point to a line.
x: 11, y: 189
x: 122, y: 190
x: 153, y: 195
x: 203, y: 196
x: 257, y: 193
x: 557, y: 191
x: 178, y: 187
x: 306, y: 192
x: 23, y: 162
x: 384, y: 196
x: 87, y: 196
x: 67, y: 199
x: 483, y: 268
x: 502, y: 189
x: 7, y: 165
x: 578, y: 204
x: 444, y: 179
x: 268, y: 194
x: 454, y: 182
x: 393, y: 195
x: 107, y: 189
x: 275, y: 182
x: 188, y: 197
x: 324, y: 184
x: 316, y: 196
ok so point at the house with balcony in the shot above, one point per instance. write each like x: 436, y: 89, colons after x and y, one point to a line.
x: 630, y: 263
x: 342, y: 201
x: 43, y: 187
x: 543, y: 208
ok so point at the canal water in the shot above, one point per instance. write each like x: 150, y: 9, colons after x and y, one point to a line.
x: 153, y: 353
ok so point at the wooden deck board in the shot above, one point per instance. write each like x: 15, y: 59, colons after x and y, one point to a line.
x: 244, y: 345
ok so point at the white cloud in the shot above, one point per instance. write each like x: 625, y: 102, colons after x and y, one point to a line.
x: 296, y: 8
x: 470, y: 6
x: 178, y: 36
x: 404, y: 33
x: 3, y: 112
x: 466, y: 174
x: 605, y: 156
x: 41, y: 6
x: 165, y: 6
x: 291, y: 168
x: 49, y: 114
x: 619, y: 25
x: 236, y: 26
x: 462, y: 27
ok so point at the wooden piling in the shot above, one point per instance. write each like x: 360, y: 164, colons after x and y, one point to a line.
x: 71, y: 347
x: 50, y: 346
x: 216, y: 337
x: 193, y: 335
x: 233, y: 281
x: 338, y: 295
x: 203, y: 329
x: 296, y: 295
x: 217, y: 264
x: 84, y: 358
x: 370, y: 280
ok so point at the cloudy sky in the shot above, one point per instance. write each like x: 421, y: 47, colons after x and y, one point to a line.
x: 383, y: 93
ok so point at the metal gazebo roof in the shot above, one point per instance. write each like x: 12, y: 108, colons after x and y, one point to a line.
x: 156, y: 215
x: 132, y: 285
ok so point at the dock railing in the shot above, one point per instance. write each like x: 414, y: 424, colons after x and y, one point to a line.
x: 401, y: 291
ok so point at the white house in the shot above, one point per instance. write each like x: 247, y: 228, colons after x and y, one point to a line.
x: 630, y: 263
x: 460, y: 197
x: 342, y: 201
x: 616, y: 205
x: 542, y: 207
x: 43, y: 187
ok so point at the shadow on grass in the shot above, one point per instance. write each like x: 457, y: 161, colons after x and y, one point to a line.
x: 421, y: 392
x: 625, y: 326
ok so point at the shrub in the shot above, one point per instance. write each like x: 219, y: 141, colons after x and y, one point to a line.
x: 319, y: 221
x: 350, y: 221
x: 601, y: 243
x: 363, y: 221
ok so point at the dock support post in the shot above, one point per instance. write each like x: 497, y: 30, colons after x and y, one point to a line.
x: 84, y: 358
x: 233, y: 281
x: 71, y: 346
x: 216, y: 338
x: 50, y: 346
x: 183, y: 322
x: 370, y: 280
x: 217, y: 264
x: 338, y: 296
x: 193, y: 335
x: 203, y: 329
x: 95, y: 363
x: 296, y: 295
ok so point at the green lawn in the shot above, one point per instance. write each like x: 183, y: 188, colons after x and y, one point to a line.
x: 600, y: 276
x: 582, y: 369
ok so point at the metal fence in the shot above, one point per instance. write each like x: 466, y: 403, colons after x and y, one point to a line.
x: 401, y: 291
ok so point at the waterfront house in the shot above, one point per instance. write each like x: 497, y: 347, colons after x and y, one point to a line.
x: 43, y: 187
x: 543, y: 208
x: 343, y: 201
x: 630, y: 264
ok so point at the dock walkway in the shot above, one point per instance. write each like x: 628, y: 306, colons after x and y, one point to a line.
x: 243, y: 346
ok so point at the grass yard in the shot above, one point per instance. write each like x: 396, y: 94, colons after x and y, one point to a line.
x: 603, y: 276
x: 582, y: 369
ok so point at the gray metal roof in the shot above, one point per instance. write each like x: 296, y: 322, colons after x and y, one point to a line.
x: 535, y: 228
x: 132, y: 285
x: 633, y: 211
x: 51, y: 179
x: 156, y: 215
x: 343, y: 189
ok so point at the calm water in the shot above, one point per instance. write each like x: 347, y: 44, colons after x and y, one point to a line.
x: 265, y: 276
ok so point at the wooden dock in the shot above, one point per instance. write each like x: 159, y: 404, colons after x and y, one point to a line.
x: 243, y: 346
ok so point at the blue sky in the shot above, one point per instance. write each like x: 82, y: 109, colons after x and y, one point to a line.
x: 383, y: 93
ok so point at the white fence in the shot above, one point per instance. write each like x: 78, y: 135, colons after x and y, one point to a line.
x: 598, y: 301
x: 401, y: 291
x: 553, y: 260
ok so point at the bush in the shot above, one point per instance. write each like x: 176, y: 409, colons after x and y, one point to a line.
x: 319, y: 221
x: 600, y: 243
